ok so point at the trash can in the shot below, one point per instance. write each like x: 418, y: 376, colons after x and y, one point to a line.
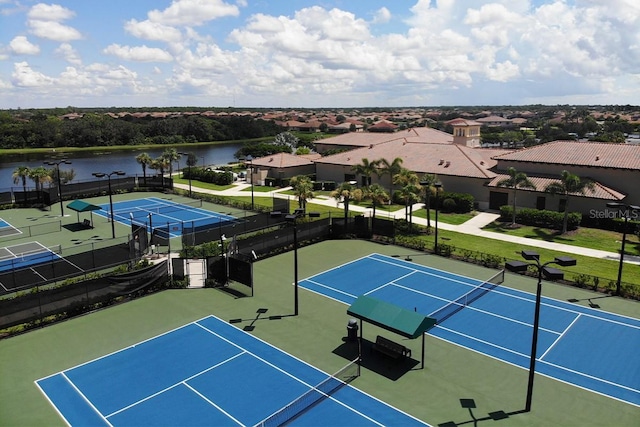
x: 352, y: 330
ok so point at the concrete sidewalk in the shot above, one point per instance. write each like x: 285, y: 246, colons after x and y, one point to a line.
x: 472, y: 226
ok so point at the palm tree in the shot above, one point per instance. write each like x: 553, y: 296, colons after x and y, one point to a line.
x: 345, y: 193
x: 389, y: 168
x: 40, y: 176
x: 20, y: 175
x: 144, y: 160
x: 516, y: 180
x: 427, y: 184
x: 162, y: 164
x: 302, y: 189
x: 409, y: 191
x: 568, y: 186
x: 366, y: 169
x: 171, y: 155
x: 378, y: 196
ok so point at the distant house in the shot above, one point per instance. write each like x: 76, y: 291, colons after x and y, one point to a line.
x: 495, y: 121
x: 383, y: 126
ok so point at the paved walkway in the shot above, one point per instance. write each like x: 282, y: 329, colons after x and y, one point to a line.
x: 472, y: 226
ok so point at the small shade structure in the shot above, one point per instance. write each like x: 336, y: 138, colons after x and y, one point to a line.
x: 82, y: 206
x: 398, y: 320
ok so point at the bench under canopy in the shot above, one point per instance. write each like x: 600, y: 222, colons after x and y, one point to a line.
x: 406, y: 323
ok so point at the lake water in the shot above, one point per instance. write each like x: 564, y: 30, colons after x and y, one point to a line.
x: 86, y: 163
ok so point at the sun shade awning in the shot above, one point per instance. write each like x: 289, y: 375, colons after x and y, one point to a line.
x: 82, y: 206
x: 396, y: 319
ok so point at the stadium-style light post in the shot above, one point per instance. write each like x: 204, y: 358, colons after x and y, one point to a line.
x: 549, y: 273
x: 438, y: 186
x: 57, y: 165
x: 625, y: 209
x: 249, y: 159
x: 293, y: 219
x: 188, y: 170
x: 109, y: 175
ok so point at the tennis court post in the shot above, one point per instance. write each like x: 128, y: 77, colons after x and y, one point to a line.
x: 549, y: 273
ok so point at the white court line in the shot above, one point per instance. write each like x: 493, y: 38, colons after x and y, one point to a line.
x: 560, y: 337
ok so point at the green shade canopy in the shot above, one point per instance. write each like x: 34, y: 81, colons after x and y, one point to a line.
x: 82, y: 206
x: 406, y: 323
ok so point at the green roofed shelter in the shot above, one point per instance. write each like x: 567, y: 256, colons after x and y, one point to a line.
x: 390, y: 317
x: 82, y: 206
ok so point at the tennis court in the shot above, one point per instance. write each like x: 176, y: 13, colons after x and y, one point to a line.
x: 26, y: 255
x: 211, y: 373
x: 167, y: 217
x: 578, y: 345
x: 7, y: 229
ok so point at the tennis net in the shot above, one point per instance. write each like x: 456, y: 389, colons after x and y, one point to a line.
x: 313, y: 396
x: 455, y: 306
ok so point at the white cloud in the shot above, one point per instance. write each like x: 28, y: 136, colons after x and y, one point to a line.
x: 149, y: 30
x: 138, y: 53
x: 20, y: 45
x: 66, y: 51
x: 50, y: 12
x: 24, y: 76
x: 193, y: 12
x: 44, y: 21
x: 382, y: 16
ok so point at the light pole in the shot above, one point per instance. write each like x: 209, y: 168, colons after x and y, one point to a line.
x: 626, y: 209
x: 189, y: 169
x: 57, y: 165
x: 108, y: 175
x: 549, y: 273
x: 293, y: 219
x: 438, y: 186
x: 249, y: 158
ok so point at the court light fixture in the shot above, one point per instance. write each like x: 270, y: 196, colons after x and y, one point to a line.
x: 625, y: 210
x: 57, y: 164
x: 550, y: 273
x: 109, y: 175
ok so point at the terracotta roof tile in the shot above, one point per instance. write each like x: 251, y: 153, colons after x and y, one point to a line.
x: 600, y: 191
x: 575, y: 153
x: 282, y: 160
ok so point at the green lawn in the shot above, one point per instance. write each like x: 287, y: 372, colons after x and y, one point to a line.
x: 201, y: 185
x: 594, y: 238
x: 449, y: 218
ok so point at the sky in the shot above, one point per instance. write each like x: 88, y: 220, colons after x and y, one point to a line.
x: 318, y: 53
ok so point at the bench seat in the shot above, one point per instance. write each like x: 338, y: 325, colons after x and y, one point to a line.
x: 390, y: 348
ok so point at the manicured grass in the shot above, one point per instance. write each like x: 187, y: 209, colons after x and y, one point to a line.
x: 260, y: 189
x: 594, y: 238
x: 605, y: 269
x: 449, y: 218
x: 195, y: 185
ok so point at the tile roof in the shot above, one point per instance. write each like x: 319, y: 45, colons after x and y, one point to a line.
x: 599, y: 192
x: 365, y: 139
x: 575, y: 153
x: 282, y: 160
x: 425, y: 157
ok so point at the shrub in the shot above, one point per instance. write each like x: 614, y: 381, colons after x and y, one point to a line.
x: 541, y: 218
x: 464, y: 202
x: 449, y: 205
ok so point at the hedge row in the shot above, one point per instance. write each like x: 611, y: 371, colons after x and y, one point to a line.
x: 455, y: 202
x: 541, y: 218
x: 208, y: 175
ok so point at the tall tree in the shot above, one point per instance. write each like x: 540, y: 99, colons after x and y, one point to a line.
x: 345, y: 193
x: 569, y: 185
x: 144, y: 160
x: 409, y: 191
x: 162, y: 164
x: 171, y: 155
x: 40, y: 176
x: 515, y: 181
x: 302, y: 189
x: 378, y: 196
x: 389, y: 168
x: 366, y: 169
x: 427, y: 184
x: 20, y: 175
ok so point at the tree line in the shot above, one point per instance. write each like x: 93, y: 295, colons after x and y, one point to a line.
x: 101, y: 130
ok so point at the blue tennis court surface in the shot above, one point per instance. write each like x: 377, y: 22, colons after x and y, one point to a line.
x: 206, y: 373
x: 163, y: 215
x: 25, y: 255
x: 581, y: 346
